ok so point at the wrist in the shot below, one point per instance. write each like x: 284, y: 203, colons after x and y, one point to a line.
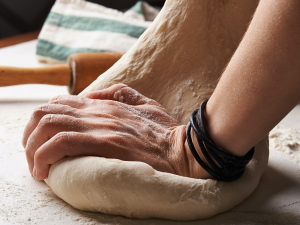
x: 181, y: 156
x: 196, y: 171
x: 220, y: 164
x: 227, y: 135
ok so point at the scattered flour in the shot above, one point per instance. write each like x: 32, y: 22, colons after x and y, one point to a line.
x: 26, y: 201
x: 286, y: 140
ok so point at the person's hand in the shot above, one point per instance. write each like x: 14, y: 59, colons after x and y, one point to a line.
x: 117, y: 122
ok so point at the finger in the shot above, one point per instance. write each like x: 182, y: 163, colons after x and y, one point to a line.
x: 60, y: 146
x: 49, y: 126
x: 70, y: 100
x: 40, y: 112
x: 73, y: 144
x: 105, y: 94
x: 122, y: 93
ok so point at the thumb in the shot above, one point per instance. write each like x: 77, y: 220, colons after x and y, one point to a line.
x: 121, y: 93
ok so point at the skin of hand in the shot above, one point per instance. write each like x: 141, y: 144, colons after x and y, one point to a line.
x: 117, y: 122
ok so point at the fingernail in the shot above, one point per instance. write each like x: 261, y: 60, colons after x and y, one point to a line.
x: 34, y: 172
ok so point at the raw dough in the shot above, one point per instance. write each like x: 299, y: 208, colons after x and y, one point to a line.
x: 180, y: 57
x: 177, y: 62
x: 135, y: 189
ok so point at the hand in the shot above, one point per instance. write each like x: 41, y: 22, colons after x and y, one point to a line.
x: 117, y: 122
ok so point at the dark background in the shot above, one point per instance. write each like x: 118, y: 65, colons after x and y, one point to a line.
x: 22, y: 16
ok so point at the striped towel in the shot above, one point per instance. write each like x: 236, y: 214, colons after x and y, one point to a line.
x: 79, y: 26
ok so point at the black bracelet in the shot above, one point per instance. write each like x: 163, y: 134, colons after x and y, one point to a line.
x: 222, y: 165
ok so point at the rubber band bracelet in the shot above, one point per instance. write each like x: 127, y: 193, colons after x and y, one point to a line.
x: 222, y: 165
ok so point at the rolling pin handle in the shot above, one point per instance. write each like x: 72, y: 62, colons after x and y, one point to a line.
x: 86, y: 67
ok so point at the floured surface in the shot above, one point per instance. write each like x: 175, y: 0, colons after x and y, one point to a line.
x: 26, y: 201
x: 286, y: 140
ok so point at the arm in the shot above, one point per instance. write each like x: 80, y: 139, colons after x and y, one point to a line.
x: 262, y: 81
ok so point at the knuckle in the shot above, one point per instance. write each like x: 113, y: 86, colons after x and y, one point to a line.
x: 127, y: 94
x: 39, y: 156
x: 126, y: 89
x: 111, y: 103
x: 154, y: 103
x: 62, y: 138
x: 40, y: 111
x: 117, y: 139
x: 55, y: 99
x: 120, y: 85
x: 27, y: 152
x: 24, y: 141
x: 47, y: 120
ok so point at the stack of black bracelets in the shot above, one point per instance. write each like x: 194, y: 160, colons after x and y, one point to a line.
x: 222, y: 165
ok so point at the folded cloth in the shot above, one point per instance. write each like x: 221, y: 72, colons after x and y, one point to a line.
x: 79, y: 26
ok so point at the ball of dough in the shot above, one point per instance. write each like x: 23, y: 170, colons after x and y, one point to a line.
x: 136, y: 190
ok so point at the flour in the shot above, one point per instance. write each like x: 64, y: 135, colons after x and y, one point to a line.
x: 286, y: 140
x: 23, y: 199
x: 26, y: 201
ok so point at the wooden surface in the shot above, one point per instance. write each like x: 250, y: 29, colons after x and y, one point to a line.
x: 5, y: 42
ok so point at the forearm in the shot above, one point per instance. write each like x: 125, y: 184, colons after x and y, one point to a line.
x: 261, y: 83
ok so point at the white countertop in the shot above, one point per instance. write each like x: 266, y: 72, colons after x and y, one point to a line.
x: 27, y: 201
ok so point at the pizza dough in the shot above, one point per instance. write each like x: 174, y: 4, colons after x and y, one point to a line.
x: 135, y: 189
x: 177, y: 62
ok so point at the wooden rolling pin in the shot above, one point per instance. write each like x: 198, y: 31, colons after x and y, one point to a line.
x: 79, y: 72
